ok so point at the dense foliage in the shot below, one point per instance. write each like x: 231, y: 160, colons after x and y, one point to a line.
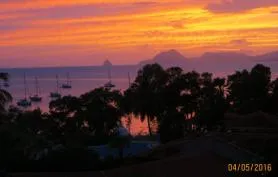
x: 177, y: 100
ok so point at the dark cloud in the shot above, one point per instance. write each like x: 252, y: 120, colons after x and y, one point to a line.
x: 233, y: 6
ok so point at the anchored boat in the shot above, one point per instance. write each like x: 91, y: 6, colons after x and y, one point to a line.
x: 56, y: 94
x: 36, y: 97
x: 24, y: 102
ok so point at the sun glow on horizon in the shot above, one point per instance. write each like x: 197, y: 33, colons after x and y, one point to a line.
x: 87, y: 31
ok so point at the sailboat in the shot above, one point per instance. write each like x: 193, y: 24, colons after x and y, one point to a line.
x: 109, y: 84
x: 36, y: 97
x: 67, y: 85
x: 24, y: 102
x: 129, y: 82
x: 56, y: 94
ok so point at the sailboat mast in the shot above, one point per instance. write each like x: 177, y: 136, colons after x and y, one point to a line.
x: 25, y: 86
x: 68, y: 78
x: 37, y: 85
x: 57, y: 82
x: 109, y: 74
x: 129, y: 83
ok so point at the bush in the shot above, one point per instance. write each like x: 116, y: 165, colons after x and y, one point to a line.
x: 171, y: 127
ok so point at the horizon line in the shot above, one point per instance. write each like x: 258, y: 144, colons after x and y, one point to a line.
x: 138, y: 64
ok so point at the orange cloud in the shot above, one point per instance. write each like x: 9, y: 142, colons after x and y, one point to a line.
x: 41, y: 4
x: 167, y: 24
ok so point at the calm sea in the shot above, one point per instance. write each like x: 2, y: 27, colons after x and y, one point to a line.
x: 83, y: 79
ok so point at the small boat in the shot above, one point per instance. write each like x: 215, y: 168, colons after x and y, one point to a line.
x: 36, y: 97
x: 109, y: 84
x: 67, y: 85
x: 24, y: 102
x: 56, y: 94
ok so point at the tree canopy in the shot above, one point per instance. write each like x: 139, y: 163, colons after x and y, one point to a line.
x: 175, y: 99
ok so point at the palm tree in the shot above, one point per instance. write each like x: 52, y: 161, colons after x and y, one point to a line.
x: 249, y: 90
x: 101, y: 110
x: 220, y: 86
x: 146, y: 91
x: 5, y: 96
x: 126, y: 107
x: 213, y: 103
x: 191, y: 94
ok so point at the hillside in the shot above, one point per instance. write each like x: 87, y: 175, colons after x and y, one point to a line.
x: 168, y: 59
x: 214, y: 61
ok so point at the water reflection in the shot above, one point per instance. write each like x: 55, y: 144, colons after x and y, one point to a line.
x: 79, y: 86
x: 138, y: 127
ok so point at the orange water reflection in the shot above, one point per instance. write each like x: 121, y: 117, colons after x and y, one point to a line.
x: 138, y: 127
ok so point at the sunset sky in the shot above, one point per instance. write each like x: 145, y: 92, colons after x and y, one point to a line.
x: 86, y: 32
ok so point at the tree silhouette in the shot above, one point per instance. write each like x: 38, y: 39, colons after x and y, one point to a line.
x: 23, y: 138
x: 68, y: 126
x: 146, y: 93
x: 213, y: 103
x: 172, y: 126
x: 261, y: 80
x: 176, y: 83
x: 273, y: 97
x: 248, y: 91
x: 100, y: 109
x: 171, y: 118
x: 5, y: 96
x: 191, y: 95
x: 173, y: 97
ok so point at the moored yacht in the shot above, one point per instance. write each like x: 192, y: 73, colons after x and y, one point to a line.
x: 56, y: 94
x: 36, y: 97
x: 24, y: 102
x: 67, y: 85
x: 109, y: 84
